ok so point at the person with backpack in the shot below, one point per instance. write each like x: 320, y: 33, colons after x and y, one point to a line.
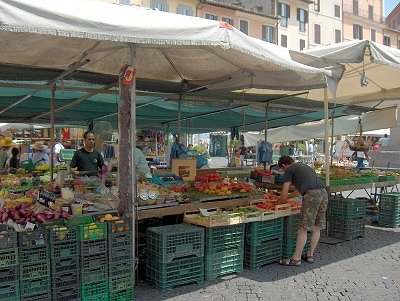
x: 57, y: 158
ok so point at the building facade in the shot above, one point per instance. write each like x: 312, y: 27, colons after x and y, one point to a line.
x: 393, y: 27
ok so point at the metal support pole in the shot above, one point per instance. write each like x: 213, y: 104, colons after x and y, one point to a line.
x: 53, y: 97
x: 326, y: 113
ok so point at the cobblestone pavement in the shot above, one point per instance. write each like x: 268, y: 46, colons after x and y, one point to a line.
x: 366, y: 268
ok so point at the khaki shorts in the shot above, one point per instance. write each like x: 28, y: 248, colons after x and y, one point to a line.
x: 313, y: 211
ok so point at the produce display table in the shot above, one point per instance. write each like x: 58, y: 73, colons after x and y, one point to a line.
x: 182, y: 208
x: 271, y: 186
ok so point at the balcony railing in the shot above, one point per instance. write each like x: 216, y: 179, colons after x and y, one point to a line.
x: 362, y: 13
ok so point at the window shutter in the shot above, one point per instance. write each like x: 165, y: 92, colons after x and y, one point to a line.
x: 279, y: 9
x: 264, y: 33
x: 354, y: 31
x: 305, y: 16
x: 298, y: 14
x: 288, y: 11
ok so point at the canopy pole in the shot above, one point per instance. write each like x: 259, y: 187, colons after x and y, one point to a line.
x: 178, y: 130
x: 53, y: 97
x: 326, y: 113
x: 332, y: 132
x: 266, y: 131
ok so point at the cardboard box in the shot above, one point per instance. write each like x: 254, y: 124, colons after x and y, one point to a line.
x: 185, y: 168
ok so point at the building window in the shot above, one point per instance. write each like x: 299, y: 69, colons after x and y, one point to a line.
x: 386, y: 41
x: 244, y: 26
x: 355, y: 7
x: 227, y: 20
x: 302, y: 17
x: 317, y: 6
x: 160, y: 5
x: 284, y: 14
x: 302, y: 44
x: 337, y: 11
x: 370, y: 12
x: 284, y: 40
x: 338, y: 35
x: 357, y: 32
x: 184, y: 10
x: 373, y: 35
x: 211, y: 17
x: 268, y: 33
x: 124, y: 2
x: 398, y: 43
x: 317, y: 34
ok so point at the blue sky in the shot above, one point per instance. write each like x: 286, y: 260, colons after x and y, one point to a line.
x: 389, y: 5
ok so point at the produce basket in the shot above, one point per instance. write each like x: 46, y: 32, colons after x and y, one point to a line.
x: 250, y: 214
x: 216, y: 220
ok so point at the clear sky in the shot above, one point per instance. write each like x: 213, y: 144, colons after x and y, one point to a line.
x: 389, y: 5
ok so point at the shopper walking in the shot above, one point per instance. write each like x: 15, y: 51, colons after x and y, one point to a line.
x: 312, y: 214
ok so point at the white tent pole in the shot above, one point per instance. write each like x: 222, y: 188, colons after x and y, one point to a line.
x: 326, y: 113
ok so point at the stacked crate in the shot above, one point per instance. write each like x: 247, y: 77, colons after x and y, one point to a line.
x: 389, y: 210
x: 263, y: 242
x: 93, y: 261
x: 224, y: 249
x: 175, y: 255
x: 120, y: 260
x: 347, y: 218
x: 64, y: 252
x: 9, y: 265
x: 290, y: 231
x: 35, y: 283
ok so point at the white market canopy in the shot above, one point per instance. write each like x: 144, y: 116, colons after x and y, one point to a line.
x: 60, y: 34
x: 379, y: 119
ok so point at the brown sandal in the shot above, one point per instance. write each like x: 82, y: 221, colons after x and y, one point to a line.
x: 291, y: 263
x: 307, y: 258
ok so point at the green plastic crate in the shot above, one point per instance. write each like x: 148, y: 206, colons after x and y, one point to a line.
x: 389, y: 219
x: 93, y: 247
x: 46, y: 296
x: 289, y: 246
x: 66, y: 293
x: 32, y: 238
x: 61, y: 234
x: 347, y: 229
x: 95, y: 291
x: 9, y: 257
x: 92, y: 231
x: 390, y: 202
x: 118, y: 240
x: 9, y: 290
x: 255, y: 256
x: 120, y: 268
x: 33, y: 254
x: 222, y: 238
x: 165, y: 276
x: 8, y: 238
x: 9, y: 274
x: 35, y: 286
x: 167, y: 243
x: 64, y: 250
x: 35, y: 270
x: 291, y: 226
x: 120, y: 282
x: 64, y: 264
x: 258, y: 232
x: 79, y: 220
x: 95, y: 274
x: 65, y: 279
x: 224, y: 262
x: 347, y: 208
x: 122, y: 295
x: 121, y: 254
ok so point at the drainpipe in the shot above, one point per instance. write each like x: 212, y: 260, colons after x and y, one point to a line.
x: 197, y: 8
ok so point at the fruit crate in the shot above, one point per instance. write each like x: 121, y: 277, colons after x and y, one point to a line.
x: 61, y: 234
x: 123, y: 225
x: 347, y: 208
x: 94, y: 274
x: 289, y: 246
x: 9, y: 257
x: 8, y: 238
x: 31, y: 238
x: 35, y: 270
x: 33, y: 254
x: 92, y: 231
x: 93, y: 247
x: 122, y: 295
x: 64, y: 264
x: 37, y: 297
x: 121, y: 254
x: 34, y: 286
x: 120, y: 283
x: 120, y: 268
x: 166, y: 243
x: 224, y: 262
x: 255, y: 256
x: 68, y: 249
x: 222, y: 238
x: 9, y: 290
x: 65, y: 279
x: 94, y: 261
x: 347, y: 229
x: 9, y: 274
x: 66, y: 293
x: 95, y: 291
x: 258, y: 232
x: 165, y: 276
x: 120, y: 240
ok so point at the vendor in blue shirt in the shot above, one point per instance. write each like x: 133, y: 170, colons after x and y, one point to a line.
x: 141, y: 164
